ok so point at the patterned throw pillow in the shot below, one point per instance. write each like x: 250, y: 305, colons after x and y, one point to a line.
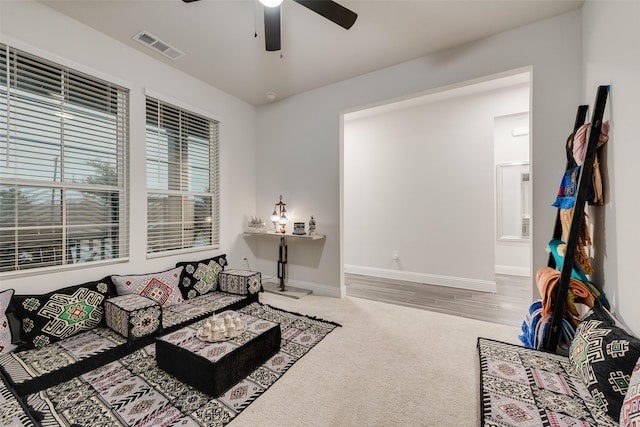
x: 5, y: 332
x: 630, y: 413
x: 604, y: 356
x: 161, y: 287
x: 201, y: 277
x: 45, y: 319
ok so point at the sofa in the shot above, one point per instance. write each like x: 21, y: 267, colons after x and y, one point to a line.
x: 48, y: 340
x: 597, y: 384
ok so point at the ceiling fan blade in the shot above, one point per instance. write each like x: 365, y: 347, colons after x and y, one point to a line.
x: 332, y: 11
x: 272, y: 28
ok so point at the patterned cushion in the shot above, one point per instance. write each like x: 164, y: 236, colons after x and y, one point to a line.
x: 241, y: 282
x: 13, y: 411
x: 133, y: 316
x: 51, y: 317
x: 161, y: 287
x: 6, y: 345
x: 630, y: 413
x: 201, y: 277
x: 604, y: 356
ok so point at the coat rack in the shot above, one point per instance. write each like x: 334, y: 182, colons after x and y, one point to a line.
x: 553, y: 333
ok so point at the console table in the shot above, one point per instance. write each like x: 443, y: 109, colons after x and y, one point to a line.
x: 282, y: 250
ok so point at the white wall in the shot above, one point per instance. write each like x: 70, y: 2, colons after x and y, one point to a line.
x: 307, y: 129
x: 420, y: 180
x: 512, y: 257
x: 33, y: 27
x: 508, y: 147
x: 299, y: 139
x: 611, y: 34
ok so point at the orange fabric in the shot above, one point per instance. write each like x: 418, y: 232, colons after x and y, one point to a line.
x: 584, y: 238
x: 547, y: 280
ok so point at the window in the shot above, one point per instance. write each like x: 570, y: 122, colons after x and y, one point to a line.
x: 63, y: 156
x: 182, y: 179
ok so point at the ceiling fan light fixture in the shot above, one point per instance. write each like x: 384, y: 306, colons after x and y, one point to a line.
x: 271, y: 3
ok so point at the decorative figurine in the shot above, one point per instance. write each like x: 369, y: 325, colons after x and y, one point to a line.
x: 312, y: 226
x: 256, y: 224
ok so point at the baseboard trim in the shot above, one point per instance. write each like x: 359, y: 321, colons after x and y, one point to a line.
x: 513, y: 271
x: 433, y: 279
x: 316, y: 288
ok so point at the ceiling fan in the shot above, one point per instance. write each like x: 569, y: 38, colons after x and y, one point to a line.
x: 327, y: 8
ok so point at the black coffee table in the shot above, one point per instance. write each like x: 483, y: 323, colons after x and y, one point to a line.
x: 214, y: 367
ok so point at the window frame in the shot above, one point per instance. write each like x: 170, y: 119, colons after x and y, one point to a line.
x: 99, y: 131
x: 213, y: 166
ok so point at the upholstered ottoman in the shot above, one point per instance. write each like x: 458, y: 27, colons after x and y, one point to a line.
x: 214, y: 367
x: 241, y: 282
x: 133, y: 316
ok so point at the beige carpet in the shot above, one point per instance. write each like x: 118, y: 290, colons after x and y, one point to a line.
x: 386, y: 366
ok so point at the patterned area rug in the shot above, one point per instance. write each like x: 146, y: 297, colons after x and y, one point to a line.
x: 11, y: 411
x: 133, y: 391
x: 525, y: 387
x: 34, y: 370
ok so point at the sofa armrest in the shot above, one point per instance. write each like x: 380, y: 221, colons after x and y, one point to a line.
x: 240, y: 282
x: 133, y: 316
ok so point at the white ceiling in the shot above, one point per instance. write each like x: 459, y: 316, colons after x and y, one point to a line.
x: 218, y: 36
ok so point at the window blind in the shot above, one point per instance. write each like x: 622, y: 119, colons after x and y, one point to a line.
x: 63, y: 165
x: 182, y: 179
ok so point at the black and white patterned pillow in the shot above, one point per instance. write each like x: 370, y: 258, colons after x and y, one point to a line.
x: 47, y: 318
x: 201, y: 277
x: 603, y: 354
x: 161, y: 287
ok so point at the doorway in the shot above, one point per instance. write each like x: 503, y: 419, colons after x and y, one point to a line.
x: 419, y: 185
x: 513, y: 194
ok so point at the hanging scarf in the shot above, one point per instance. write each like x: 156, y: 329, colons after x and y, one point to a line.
x: 547, y: 280
x: 584, y: 239
x: 579, y: 152
x: 535, y: 327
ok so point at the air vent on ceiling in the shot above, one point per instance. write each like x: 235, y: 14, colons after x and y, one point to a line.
x: 158, y: 45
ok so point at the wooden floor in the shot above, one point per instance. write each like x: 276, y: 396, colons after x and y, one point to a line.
x: 507, y: 306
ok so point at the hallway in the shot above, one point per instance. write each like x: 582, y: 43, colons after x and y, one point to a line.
x: 507, y: 306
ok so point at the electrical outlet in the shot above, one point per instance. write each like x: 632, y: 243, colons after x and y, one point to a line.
x: 395, y: 255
